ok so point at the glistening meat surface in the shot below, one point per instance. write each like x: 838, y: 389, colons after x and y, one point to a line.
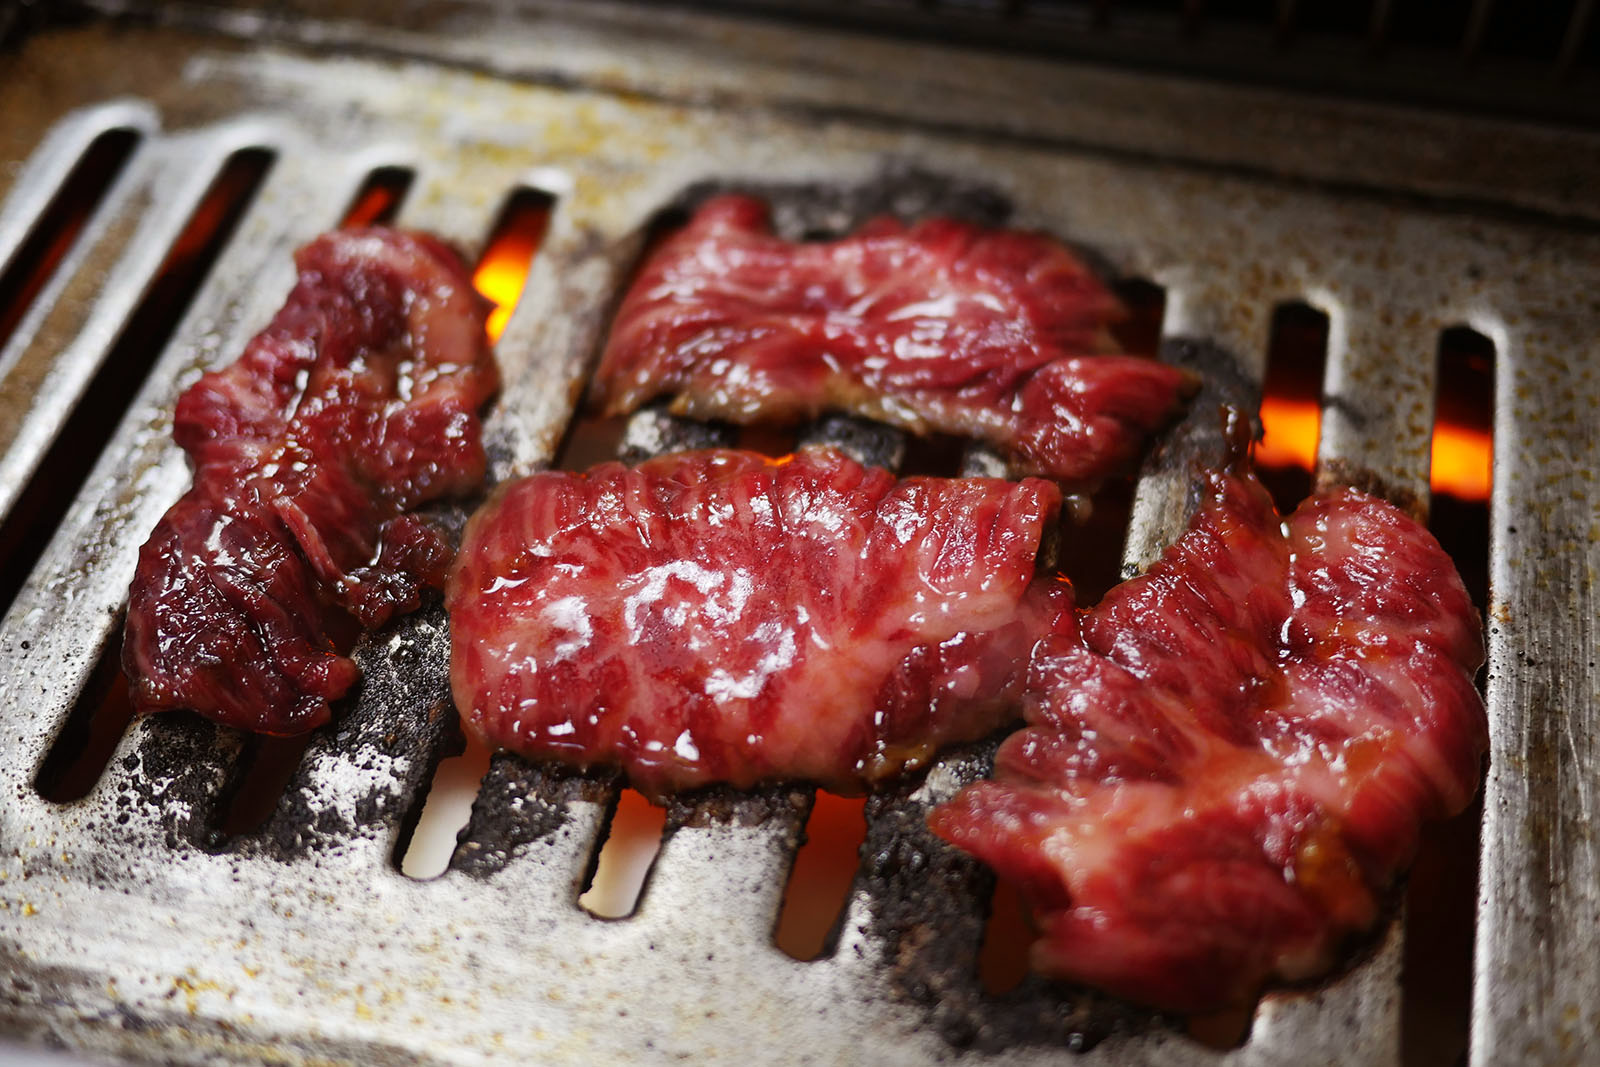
x: 722, y: 617
x: 1231, y: 761
x: 355, y: 406
x: 995, y: 334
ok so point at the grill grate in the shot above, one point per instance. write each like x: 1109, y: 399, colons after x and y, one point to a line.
x: 130, y: 926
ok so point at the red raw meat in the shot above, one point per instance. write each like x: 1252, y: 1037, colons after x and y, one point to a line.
x: 722, y: 617
x: 1230, y: 762
x: 996, y: 334
x: 355, y: 406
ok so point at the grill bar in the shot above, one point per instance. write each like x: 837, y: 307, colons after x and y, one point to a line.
x: 1373, y: 352
x: 1537, y: 987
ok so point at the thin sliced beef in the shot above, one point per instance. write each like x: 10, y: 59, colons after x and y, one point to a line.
x: 355, y: 406
x: 1229, y: 763
x: 722, y: 617
x: 996, y: 334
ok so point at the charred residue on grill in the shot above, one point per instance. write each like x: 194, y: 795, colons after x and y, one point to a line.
x: 175, y: 774
x: 927, y: 904
x: 385, y: 745
x: 387, y: 736
x: 519, y: 805
x: 816, y: 211
x: 722, y: 806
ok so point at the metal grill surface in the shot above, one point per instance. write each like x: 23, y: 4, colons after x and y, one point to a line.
x: 130, y: 926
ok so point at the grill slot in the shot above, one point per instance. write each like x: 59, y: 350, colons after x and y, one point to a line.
x: 502, y: 270
x: 379, y: 199
x: 29, y: 267
x: 1291, y: 403
x: 444, y: 815
x: 819, y: 884
x: 98, y: 719
x: 630, y: 843
x: 304, y: 934
x: 1003, y: 955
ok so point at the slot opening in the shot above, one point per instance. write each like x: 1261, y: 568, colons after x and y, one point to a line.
x: 1091, y: 544
x: 1291, y: 403
x: 499, y: 276
x: 446, y: 811
x: 61, y: 224
x: 1007, y: 935
x: 628, y: 851
x: 590, y: 439
x: 818, y: 889
x: 98, y: 719
x: 767, y: 439
x: 1442, y: 889
x: 1140, y: 333
x: 938, y: 454
x: 378, y: 200
x: 42, y: 504
x: 514, y: 240
x: 1222, y: 1030
x: 261, y: 774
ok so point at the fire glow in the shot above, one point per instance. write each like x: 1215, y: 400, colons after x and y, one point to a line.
x: 1462, y: 455
x: 503, y: 270
x: 1289, y: 433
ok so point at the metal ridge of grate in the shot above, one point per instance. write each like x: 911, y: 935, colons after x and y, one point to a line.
x: 303, y: 939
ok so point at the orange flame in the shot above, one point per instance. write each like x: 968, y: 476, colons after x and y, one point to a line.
x: 1462, y: 461
x: 1462, y: 455
x: 503, y: 270
x: 1289, y: 433
x: 374, y: 204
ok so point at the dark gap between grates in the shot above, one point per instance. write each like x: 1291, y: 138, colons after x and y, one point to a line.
x: 1090, y: 548
x: 1441, y: 894
x: 455, y: 785
x: 1291, y: 403
x: 590, y: 439
x: 824, y: 869
x: 1462, y: 454
x: 264, y: 768
x: 61, y: 223
x: 1007, y: 935
x: 938, y: 454
x: 1140, y: 333
x: 1222, y: 1030
x: 378, y: 200
x: 1093, y: 530
x: 766, y: 439
x: 96, y: 723
x: 42, y: 504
